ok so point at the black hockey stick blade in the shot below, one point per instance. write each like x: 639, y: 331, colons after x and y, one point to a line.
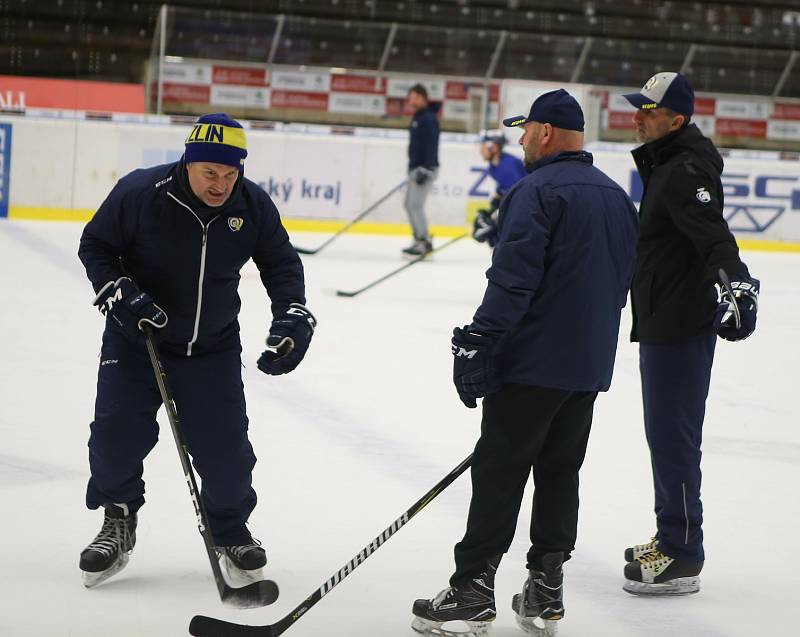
x: 253, y: 595
x: 201, y: 626
x: 405, y: 266
x: 728, y: 291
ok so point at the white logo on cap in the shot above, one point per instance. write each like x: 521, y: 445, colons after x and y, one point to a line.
x: 703, y: 196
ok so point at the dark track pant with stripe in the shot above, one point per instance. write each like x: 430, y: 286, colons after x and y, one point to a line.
x: 675, y: 382
x: 209, y: 396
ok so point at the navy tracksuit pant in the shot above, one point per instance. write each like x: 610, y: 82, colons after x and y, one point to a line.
x: 675, y: 382
x: 209, y: 396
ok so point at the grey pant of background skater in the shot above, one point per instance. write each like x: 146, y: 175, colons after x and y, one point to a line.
x: 414, y: 203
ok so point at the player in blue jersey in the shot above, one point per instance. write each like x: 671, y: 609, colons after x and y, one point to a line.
x: 506, y: 170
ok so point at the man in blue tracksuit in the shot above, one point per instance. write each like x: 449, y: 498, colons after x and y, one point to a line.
x: 506, y: 170
x: 540, y: 347
x: 684, y: 243
x: 423, y: 166
x: 165, y: 249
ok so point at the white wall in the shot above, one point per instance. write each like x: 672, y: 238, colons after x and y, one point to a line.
x: 313, y: 173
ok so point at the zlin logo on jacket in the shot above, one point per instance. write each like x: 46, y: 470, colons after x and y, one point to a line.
x: 235, y: 223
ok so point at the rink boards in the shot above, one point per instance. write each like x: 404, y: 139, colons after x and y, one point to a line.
x: 320, y: 176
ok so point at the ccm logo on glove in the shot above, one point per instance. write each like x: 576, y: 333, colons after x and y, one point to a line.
x: 130, y: 308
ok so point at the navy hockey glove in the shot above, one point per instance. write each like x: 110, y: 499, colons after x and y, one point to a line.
x: 123, y: 303
x: 745, y: 297
x: 484, y: 229
x: 422, y: 175
x: 474, y: 373
x: 288, y: 340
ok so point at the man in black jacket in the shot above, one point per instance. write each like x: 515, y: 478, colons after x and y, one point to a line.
x: 684, y: 243
x: 165, y: 249
x: 539, y: 349
x: 423, y: 166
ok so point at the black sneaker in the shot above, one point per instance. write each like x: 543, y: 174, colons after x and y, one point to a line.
x: 111, y: 548
x: 655, y: 573
x: 471, y: 601
x: 420, y: 248
x: 541, y: 601
x: 246, y: 557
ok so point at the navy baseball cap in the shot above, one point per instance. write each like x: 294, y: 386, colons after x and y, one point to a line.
x: 557, y: 108
x: 665, y: 90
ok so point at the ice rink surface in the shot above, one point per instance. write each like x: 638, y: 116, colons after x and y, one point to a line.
x: 358, y: 433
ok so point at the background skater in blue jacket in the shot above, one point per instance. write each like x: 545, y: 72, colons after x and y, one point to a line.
x: 540, y: 347
x: 506, y: 170
x: 423, y: 166
x: 165, y: 249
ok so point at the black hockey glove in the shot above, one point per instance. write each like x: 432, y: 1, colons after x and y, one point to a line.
x: 474, y: 373
x: 422, y: 175
x: 484, y: 229
x: 745, y: 299
x: 288, y: 340
x: 123, y: 303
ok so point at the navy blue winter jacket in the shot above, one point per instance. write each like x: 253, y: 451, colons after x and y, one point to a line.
x: 423, y: 138
x: 188, y: 261
x: 560, y: 275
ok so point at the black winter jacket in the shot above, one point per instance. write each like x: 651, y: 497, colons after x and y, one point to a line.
x: 683, y: 238
x: 423, y: 138
x: 189, y: 260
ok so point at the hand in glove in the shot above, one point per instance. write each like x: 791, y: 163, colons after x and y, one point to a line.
x: 129, y: 308
x: 288, y: 340
x: 745, y: 297
x: 474, y: 373
x: 422, y: 175
x: 484, y: 229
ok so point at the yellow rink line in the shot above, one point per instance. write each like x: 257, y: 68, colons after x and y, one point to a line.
x: 316, y: 225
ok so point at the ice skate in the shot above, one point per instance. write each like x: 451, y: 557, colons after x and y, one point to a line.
x: 244, y: 563
x: 657, y: 574
x: 110, y: 550
x: 420, y: 248
x: 540, y: 605
x: 470, y: 603
x: 634, y: 552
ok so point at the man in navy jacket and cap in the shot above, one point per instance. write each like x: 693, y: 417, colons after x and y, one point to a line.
x: 165, y: 249
x: 540, y: 347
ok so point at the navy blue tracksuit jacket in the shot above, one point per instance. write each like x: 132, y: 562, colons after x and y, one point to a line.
x: 423, y: 138
x: 188, y: 257
x: 560, y: 275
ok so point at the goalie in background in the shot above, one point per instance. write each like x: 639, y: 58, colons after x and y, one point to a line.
x: 506, y: 170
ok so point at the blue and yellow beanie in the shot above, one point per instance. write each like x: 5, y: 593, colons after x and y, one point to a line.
x: 216, y: 138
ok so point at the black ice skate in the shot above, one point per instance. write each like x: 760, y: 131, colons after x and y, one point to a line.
x: 635, y: 552
x: 420, y: 248
x: 244, y: 562
x: 109, y: 552
x: 471, y: 602
x: 658, y: 574
x: 541, y: 603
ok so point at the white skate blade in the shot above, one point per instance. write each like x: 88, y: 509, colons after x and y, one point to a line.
x: 533, y: 625
x: 428, y: 627
x: 677, y: 586
x: 238, y: 577
x: 537, y: 626
x: 93, y: 579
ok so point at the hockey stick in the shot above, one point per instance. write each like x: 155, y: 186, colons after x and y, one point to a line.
x: 353, y: 293
x: 202, y: 626
x: 253, y: 595
x: 728, y: 292
x: 353, y: 222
